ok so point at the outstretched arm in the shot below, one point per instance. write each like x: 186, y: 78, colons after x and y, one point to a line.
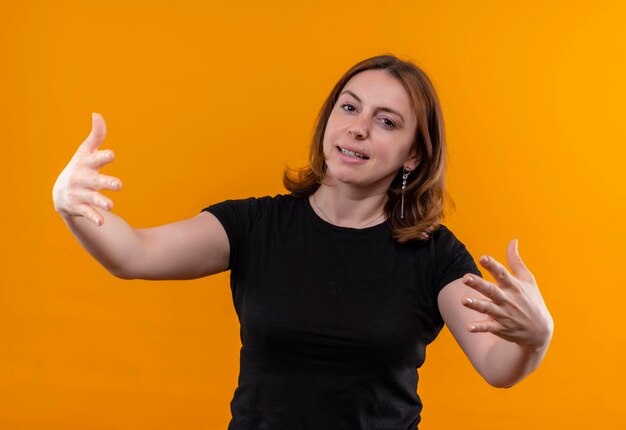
x: 504, y: 328
x: 186, y: 249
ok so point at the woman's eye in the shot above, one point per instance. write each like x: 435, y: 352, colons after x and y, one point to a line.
x: 348, y: 107
x: 351, y: 108
x: 389, y: 123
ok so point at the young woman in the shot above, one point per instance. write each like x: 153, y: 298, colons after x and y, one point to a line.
x: 341, y: 284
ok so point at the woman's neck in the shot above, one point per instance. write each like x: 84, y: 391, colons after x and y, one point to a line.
x: 344, y: 207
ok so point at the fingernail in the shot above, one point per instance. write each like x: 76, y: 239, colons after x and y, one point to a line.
x: 470, y: 280
x: 468, y: 300
x: 472, y: 327
x: 516, y: 245
x: 484, y: 259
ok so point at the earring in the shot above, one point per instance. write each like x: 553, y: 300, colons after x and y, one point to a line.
x: 405, y: 176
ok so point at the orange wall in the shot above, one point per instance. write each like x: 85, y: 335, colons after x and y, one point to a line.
x: 208, y: 101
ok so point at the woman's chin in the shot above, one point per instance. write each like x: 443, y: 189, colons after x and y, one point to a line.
x: 355, y: 183
x: 340, y: 178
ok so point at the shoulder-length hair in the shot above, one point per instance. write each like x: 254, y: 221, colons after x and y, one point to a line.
x: 425, y: 191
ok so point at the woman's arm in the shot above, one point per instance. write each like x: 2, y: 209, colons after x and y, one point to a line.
x: 182, y: 250
x: 504, y: 328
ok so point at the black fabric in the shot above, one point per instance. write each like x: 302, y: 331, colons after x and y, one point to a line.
x: 334, y: 320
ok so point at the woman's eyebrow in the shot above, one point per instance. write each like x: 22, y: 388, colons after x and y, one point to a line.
x: 381, y: 108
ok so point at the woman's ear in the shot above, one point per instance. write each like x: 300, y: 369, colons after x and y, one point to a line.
x: 413, y: 161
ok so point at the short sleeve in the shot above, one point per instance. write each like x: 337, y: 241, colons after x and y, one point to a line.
x: 238, y: 218
x: 452, y: 259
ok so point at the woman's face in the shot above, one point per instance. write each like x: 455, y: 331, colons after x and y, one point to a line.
x: 370, y: 132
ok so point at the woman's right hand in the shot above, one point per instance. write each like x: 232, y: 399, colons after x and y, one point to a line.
x: 75, y: 192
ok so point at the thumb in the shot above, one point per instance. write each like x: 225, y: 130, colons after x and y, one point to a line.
x: 97, y: 134
x: 516, y: 263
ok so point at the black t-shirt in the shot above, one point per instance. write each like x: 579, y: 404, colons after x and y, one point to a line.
x: 334, y: 320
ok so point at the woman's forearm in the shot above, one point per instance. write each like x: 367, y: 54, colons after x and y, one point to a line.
x: 77, y: 198
x: 513, y: 315
x: 186, y: 249
x: 113, y: 244
x: 506, y: 363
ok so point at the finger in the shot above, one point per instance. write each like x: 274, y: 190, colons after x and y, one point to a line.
x: 484, y: 327
x: 498, y: 271
x: 486, y: 288
x: 97, y: 134
x: 91, y: 214
x: 100, y: 158
x: 98, y: 181
x: 516, y: 264
x: 483, y: 306
x: 101, y: 201
x: 91, y: 198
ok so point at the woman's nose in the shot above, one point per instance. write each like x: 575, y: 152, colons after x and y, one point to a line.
x: 358, y: 130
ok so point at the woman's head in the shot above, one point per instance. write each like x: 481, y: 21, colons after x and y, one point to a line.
x: 369, y: 134
x: 425, y: 191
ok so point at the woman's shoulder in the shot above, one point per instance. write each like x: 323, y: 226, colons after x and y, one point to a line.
x: 273, y: 202
x: 263, y: 206
x: 262, y: 201
x: 277, y: 199
x: 442, y: 240
x: 441, y: 232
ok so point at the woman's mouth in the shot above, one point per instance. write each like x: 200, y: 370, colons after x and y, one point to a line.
x: 352, y: 154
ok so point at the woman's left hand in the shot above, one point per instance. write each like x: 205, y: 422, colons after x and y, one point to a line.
x: 514, y: 307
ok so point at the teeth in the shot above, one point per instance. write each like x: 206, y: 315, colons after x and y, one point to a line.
x: 351, y: 153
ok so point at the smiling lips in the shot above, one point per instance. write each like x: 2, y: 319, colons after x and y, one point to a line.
x: 352, y: 154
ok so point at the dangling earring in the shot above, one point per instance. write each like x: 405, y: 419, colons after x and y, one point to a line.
x: 405, y: 176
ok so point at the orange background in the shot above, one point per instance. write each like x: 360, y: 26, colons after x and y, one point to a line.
x: 206, y: 101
